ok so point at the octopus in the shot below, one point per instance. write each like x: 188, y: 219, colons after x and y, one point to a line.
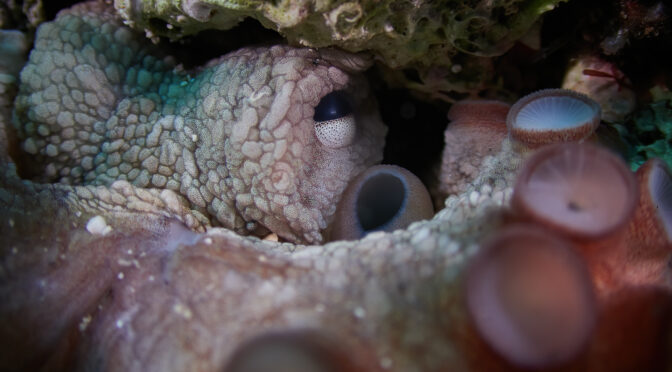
x: 100, y: 272
x: 259, y: 140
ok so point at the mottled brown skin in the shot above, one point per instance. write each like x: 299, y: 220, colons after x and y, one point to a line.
x: 235, y: 138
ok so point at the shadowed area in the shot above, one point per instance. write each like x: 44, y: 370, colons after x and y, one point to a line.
x: 379, y: 200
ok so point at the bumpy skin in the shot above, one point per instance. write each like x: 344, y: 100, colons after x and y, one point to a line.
x: 235, y: 138
x: 119, y: 278
x: 143, y: 293
x: 96, y: 278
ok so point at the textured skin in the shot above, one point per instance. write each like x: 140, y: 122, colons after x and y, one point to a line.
x: 235, y: 138
x: 106, y: 278
x: 148, y: 295
x: 476, y: 130
x: 96, y: 278
x: 118, y: 283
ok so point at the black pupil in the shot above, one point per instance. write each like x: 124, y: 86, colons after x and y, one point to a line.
x: 332, y: 106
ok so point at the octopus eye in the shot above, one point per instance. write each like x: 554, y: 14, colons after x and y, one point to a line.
x: 334, y: 122
x: 334, y: 105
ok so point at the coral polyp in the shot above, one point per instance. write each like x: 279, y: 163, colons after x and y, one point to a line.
x: 604, y: 83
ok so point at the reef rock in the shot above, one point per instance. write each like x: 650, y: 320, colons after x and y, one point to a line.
x: 444, y: 41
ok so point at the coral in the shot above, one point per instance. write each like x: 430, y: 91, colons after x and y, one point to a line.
x: 444, y: 41
x: 603, y: 82
x: 236, y: 138
x: 23, y: 15
x: 637, y: 20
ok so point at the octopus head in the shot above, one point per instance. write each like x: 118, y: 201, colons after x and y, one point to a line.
x: 319, y: 131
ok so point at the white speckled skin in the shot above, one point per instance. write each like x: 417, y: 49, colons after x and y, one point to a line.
x: 235, y: 138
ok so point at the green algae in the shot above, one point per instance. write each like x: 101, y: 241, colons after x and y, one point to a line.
x: 649, y: 133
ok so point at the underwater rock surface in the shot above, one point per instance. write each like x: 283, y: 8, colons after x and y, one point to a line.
x: 444, y: 41
x: 24, y: 15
